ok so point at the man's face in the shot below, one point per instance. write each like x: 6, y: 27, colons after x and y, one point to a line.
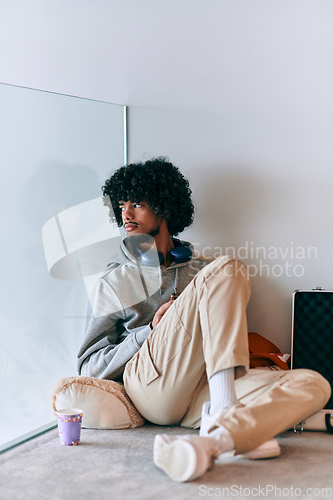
x: 139, y: 218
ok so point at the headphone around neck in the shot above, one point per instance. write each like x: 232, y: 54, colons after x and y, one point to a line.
x: 142, y: 247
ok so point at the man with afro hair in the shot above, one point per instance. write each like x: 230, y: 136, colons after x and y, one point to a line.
x: 162, y: 186
x: 172, y: 327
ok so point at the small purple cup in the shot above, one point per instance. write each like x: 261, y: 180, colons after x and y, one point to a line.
x: 69, y: 426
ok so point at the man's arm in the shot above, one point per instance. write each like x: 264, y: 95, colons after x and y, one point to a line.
x: 105, y: 351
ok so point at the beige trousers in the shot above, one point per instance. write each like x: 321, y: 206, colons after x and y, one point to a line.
x: 203, y: 332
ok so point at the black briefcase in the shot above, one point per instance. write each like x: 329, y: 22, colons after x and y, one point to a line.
x: 312, y: 345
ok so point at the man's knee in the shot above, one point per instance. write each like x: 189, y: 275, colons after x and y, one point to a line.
x: 225, y: 267
x: 305, y: 376
x: 235, y: 268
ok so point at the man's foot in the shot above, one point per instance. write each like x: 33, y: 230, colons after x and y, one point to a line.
x: 269, y: 449
x: 185, y: 458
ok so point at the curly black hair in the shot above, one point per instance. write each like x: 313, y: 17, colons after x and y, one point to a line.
x: 157, y: 182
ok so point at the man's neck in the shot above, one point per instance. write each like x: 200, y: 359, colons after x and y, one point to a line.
x: 164, y: 244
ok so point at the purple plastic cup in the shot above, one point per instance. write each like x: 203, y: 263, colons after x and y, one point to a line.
x: 69, y: 426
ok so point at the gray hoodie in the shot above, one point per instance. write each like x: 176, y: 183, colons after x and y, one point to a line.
x: 123, y: 301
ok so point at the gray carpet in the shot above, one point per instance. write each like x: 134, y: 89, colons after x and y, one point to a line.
x: 118, y: 465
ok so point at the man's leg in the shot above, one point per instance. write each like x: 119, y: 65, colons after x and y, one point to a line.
x: 281, y: 400
x: 271, y: 402
x: 204, y: 330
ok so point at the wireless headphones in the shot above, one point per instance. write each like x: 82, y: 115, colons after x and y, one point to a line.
x: 143, y: 248
x: 180, y: 253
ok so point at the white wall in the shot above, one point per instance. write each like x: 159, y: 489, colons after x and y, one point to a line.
x: 238, y: 93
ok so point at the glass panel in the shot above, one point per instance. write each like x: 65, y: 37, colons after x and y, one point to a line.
x: 56, y: 152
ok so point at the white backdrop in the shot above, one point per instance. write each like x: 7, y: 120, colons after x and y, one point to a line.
x: 236, y: 92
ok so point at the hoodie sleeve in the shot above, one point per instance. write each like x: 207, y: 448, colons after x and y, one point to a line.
x: 105, y: 349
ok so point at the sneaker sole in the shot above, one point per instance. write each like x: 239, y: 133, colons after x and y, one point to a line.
x: 178, y: 459
x: 257, y: 454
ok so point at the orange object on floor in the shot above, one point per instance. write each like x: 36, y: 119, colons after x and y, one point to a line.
x: 264, y: 353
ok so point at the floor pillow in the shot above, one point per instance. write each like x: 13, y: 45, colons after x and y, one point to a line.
x: 105, y: 403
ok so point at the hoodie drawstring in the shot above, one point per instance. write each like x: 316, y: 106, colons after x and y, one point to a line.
x: 174, y: 295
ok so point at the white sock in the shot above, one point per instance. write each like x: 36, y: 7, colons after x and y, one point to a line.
x: 222, y: 390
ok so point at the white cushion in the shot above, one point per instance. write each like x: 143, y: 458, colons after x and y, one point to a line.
x: 105, y: 403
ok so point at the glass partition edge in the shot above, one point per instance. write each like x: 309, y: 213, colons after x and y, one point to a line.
x: 27, y: 437
x: 61, y: 94
x: 125, y: 135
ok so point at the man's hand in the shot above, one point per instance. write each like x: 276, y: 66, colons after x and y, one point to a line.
x: 160, y: 312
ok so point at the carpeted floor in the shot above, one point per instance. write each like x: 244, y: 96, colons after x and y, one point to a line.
x: 116, y: 465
